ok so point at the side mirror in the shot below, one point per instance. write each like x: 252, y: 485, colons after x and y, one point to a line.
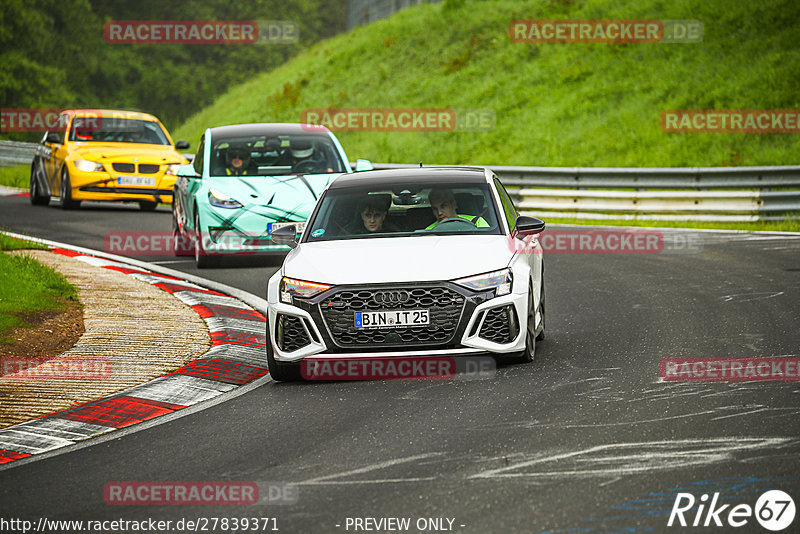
x: 187, y: 171
x: 53, y: 137
x: 286, y: 235
x: 529, y: 225
x: 364, y: 165
x: 181, y: 145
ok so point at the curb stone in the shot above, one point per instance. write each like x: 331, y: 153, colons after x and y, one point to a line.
x: 237, y: 357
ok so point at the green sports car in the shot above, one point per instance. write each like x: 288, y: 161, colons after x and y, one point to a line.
x: 248, y: 180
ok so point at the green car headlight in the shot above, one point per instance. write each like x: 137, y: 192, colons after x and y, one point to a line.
x: 498, y: 280
x: 221, y: 200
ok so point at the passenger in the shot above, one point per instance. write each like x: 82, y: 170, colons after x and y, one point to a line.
x: 443, y: 205
x: 370, y: 216
x: 237, y: 159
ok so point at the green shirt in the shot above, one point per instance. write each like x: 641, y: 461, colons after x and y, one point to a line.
x: 480, y: 222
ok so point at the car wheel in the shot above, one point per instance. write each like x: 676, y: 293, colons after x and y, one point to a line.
x: 147, y: 205
x: 202, y: 258
x: 182, y: 245
x: 37, y: 199
x: 526, y: 355
x: 280, y: 371
x: 65, y: 194
x: 540, y: 334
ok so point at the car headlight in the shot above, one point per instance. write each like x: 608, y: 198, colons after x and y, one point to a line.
x: 300, y: 288
x: 85, y: 165
x: 172, y: 168
x: 499, y: 280
x: 221, y: 200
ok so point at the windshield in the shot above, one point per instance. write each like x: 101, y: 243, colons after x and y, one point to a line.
x: 275, y: 156
x: 403, y: 210
x: 117, y: 130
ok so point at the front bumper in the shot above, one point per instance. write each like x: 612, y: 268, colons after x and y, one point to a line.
x: 103, y: 186
x: 484, y: 324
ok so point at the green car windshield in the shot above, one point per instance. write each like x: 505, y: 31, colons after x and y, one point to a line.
x: 275, y: 156
x: 403, y: 210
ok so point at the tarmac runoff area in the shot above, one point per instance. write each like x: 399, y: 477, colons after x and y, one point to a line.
x: 153, y: 344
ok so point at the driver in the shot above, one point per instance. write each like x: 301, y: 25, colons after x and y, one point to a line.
x: 237, y: 159
x: 443, y: 205
x: 302, y: 150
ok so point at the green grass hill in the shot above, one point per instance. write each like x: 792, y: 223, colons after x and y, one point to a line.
x: 556, y: 104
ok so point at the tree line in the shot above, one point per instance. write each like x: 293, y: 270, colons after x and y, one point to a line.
x: 53, y: 53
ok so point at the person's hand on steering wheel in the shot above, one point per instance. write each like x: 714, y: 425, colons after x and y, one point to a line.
x: 307, y: 165
x: 454, y: 220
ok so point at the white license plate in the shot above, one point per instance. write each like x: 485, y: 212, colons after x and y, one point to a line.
x: 136, y: 180
x: 271, y: 227
x: 391, y: 319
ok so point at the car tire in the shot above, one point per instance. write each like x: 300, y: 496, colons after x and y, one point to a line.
x: 65, y: 193
x: 37, y: 199
x: 540, y: 334
x: 180, y: 246
x: 202, y: 258
x: 527, y: 354
x: 280, y: 371
x: 147, y: 205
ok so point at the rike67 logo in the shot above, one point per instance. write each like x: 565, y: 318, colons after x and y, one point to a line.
x: 774, y: 510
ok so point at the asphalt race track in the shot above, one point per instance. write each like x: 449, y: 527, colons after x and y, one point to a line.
x: 585, y: 439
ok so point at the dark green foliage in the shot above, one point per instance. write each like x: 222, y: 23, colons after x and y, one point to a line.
x: 53, y: 53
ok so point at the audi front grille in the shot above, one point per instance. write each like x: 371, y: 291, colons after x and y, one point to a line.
x: 445, y: 306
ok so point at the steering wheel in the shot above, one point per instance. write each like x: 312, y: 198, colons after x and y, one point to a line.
x: 454, y: 220
x: 307, y: 165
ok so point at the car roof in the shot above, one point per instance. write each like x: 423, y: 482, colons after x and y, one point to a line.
x: 117, y: 113
x: 455, y: 175
x: 267, y: 128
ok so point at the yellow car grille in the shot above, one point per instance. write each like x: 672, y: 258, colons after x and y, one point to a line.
x: 130, y: 168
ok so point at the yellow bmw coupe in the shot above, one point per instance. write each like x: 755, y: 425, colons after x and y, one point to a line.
x: 106, y: 155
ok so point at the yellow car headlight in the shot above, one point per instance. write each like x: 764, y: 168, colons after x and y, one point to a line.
x: 172, y: 168
x: 85, y: 165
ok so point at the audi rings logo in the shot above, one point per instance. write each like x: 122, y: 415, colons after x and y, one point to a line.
x: 391, y: 297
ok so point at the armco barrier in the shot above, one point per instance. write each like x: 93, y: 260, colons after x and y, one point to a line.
x: 16, y: 153
x: 734, y: 194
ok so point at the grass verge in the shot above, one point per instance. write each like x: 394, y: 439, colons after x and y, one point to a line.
x: 17, y: 176
x: 28, y: 287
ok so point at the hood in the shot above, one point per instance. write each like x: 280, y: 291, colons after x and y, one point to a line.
x: 295, y: 194
x: 398, y: 259
x: 159, y: 154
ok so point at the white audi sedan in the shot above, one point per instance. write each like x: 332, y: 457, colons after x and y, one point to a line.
x: 420, y: 262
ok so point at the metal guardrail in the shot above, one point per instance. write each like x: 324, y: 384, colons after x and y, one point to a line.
x: 734, y: 194
x: 16, y: 153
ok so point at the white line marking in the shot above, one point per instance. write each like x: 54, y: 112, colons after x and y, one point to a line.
x: 372, y: 467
